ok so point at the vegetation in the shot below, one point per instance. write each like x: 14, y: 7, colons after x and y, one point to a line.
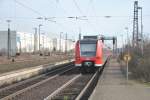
x: 139, y: 66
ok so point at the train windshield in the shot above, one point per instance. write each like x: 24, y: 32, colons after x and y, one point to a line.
x: 88, y: 50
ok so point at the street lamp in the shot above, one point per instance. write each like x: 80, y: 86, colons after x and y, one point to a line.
x: 39, y: 37
x: 8, y: 41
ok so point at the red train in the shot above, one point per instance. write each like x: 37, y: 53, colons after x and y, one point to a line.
x: 89, y: 54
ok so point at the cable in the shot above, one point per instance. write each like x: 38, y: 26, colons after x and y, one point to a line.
x: 88, y: 6
x: 63, y: 17
x: 29, y: 8
x: 61, y: 7
x: 59, y: 24
x: 78, y: 7
x: 92, y: 7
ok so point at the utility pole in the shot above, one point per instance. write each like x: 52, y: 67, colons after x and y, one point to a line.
x: 43, y: 43
x: 66, y: 44
x: 122, y: 43
x: 135, y: 25
x: 79, y: 33
x: 8, y: 41
x: 20, y: 47
x: 113, y: 45
x: 79, y: 36
x: 35, y: 40
x: 116, y: 45
x: 60, y: 41
x: 141, y: 30
x: 39, y: 38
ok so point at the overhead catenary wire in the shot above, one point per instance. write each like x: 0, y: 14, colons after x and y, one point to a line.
x: 88, y: 6
x: 63, y: 17
x: 58, y: 4
x: 66, y: 17
x: 31, y: 9
x: 90, y: 3
x: 78, y: 7
x: 27, y: 7
x: 92, y: 8
x: 89, y: 23
x: 65, y: 12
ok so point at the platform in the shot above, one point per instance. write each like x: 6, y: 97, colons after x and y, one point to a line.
x: 112, y: 85
x: 21, y: 74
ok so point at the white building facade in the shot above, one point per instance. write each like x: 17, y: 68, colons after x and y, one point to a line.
x: 63, y: 45
x: 4, y: 43
x: 24, y: 42
x: 29, y: 42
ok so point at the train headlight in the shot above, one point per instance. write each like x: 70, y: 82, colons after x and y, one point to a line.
x: 88, y: 64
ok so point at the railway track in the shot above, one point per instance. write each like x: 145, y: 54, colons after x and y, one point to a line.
x: 63, y: 84
x: 14, y: 90
x: 79, y: 88
x: 73, y: 89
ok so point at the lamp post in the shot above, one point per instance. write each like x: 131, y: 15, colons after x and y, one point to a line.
x: 8, y: 41
x: 39, y: 37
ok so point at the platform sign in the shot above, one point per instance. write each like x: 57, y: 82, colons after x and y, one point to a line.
x: 127, y: 57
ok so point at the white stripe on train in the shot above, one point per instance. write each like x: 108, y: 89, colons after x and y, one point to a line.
x: 77, y: 64
x: 98, y: 65
x: 95, y: 65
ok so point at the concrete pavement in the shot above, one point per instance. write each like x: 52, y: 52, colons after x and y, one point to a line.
x: 112, y: 85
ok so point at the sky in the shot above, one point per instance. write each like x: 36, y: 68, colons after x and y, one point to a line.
x: 24, y: 13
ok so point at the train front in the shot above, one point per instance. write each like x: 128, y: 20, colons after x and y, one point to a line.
x: 88, y: 54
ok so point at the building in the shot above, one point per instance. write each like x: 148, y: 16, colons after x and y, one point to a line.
x: 63, y: 45
x: 4, y: 43
x: 24, y: 42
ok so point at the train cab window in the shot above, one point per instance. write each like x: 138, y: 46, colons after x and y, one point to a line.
x: 88, y: 50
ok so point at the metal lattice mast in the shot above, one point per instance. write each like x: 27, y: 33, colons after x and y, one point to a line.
x: 135, y: 25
